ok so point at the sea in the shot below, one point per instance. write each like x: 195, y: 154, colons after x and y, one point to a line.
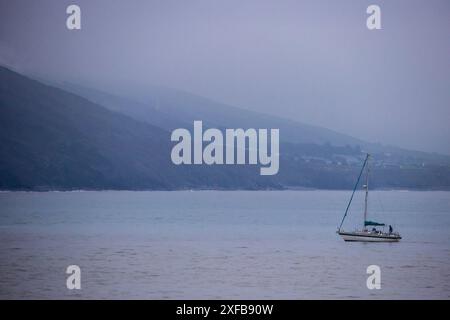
x: 221, y: 245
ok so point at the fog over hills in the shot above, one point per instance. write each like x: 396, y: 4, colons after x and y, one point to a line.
x: 171, y: 109
x: 315, y: 62
x: 53, y: 139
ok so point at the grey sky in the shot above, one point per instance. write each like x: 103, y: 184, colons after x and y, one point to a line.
x: 312, y: 61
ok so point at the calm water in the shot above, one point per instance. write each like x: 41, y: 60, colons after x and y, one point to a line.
x: 212, y: 244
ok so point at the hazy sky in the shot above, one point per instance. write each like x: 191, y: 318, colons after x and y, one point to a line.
x: 312, y: 61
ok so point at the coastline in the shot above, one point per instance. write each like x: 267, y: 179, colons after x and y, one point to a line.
x: 210, y: 189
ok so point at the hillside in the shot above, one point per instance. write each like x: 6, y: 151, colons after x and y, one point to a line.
x: 51, y: 139
x: 54, y: 140
x: 169, y: 108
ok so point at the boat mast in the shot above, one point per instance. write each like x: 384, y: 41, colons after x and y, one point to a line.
x: 353, y: 192
x: 367, y: 193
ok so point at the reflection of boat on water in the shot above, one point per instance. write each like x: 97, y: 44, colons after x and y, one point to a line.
x: 366, y: 235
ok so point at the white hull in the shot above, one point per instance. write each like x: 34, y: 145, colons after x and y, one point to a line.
x: 369, y: 237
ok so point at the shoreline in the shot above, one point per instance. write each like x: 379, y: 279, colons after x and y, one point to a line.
x: 219, y: 190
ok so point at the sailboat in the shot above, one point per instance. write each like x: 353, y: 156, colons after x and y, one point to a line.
x: 366, y: 234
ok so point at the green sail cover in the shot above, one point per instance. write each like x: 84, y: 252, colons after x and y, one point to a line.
x: 372, y: 223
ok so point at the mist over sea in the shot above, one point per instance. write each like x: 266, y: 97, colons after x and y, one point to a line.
x: 220, y: 245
